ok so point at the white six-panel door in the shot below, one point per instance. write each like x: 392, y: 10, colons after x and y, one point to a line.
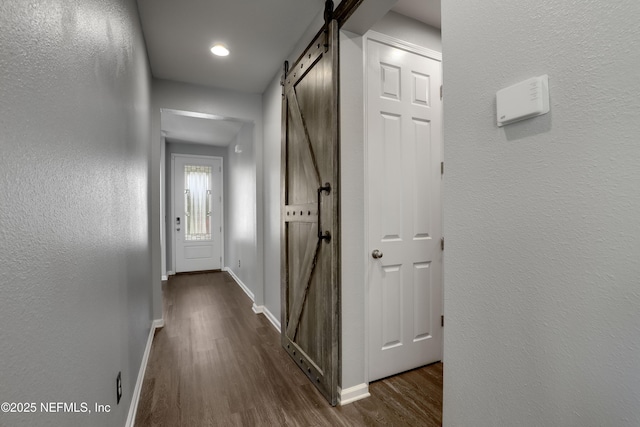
x: 404, y: 151
x: 197, y: 212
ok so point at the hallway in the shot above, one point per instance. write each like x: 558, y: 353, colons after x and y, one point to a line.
x: 217, y: 363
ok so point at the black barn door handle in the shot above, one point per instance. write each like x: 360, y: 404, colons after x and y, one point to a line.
x: 326, y: 235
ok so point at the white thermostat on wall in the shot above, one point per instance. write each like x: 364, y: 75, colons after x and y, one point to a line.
x: 523, y: 100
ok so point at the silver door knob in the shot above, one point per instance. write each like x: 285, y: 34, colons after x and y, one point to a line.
x: 376, y: 254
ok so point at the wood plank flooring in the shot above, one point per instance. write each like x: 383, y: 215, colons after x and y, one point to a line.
x: 216, y: 363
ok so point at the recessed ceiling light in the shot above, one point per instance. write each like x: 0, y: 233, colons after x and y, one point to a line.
x: 219, y: 50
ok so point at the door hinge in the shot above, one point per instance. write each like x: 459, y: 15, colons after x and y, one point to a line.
x: 441, y: 168
x: 442, y: 320
x: 440, y: 91
x: 442, y: 243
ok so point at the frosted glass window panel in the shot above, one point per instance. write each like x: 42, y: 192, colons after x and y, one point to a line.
x: 197, y: 202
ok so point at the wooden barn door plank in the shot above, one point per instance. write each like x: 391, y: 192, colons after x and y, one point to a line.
x: 310, y: 228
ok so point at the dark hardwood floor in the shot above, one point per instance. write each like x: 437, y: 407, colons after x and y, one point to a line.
x: 216, y: 363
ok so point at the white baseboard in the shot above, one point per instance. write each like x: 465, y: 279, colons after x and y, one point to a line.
x: 351, y: 394
x: 164, y: 278
x: 239, y: 282
x: 257, y: 309
x: 171, y: 273
x: 273, y: 319
x: 135, y: 398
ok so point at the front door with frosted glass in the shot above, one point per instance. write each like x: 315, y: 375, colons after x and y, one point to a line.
x: 197, y: 212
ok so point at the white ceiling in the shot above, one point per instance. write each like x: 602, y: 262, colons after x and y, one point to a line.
x: 259, y: 34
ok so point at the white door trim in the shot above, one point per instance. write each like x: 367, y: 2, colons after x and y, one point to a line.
x: 173, y: 205
x: 400, y: 44
x: 419, y: 50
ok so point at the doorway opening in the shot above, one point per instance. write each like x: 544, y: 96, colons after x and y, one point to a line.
x: 221, y: 150
x: 406, y: 146
x: 197, y: 213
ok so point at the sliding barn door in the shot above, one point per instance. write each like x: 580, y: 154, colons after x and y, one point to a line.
x: 309, y: 225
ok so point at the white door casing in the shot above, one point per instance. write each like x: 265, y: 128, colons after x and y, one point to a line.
x: 404, y: 153
x: 197, y: 212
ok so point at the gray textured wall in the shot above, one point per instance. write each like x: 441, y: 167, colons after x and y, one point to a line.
x: 272, y: 110
x: 241, y: 225
x: 74, y: 241
x: 352, y: 207
x: 542, y: 275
